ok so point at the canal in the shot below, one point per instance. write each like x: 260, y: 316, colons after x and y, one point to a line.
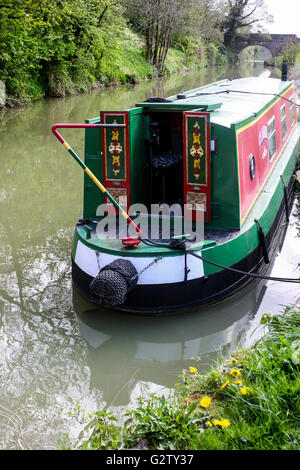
x: 59, y: 352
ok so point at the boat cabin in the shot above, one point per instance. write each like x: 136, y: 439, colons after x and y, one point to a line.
x: 213, y: 147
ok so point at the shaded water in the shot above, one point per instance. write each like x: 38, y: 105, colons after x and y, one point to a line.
x: 56, y: 349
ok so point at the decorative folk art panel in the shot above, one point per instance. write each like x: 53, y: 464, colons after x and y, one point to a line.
x: 116, y: 169
x: 196, y: 151
x: 197, y: 160
x: 119, y: 195
x: 115, y: 149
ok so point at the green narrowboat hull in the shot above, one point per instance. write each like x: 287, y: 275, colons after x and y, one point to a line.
x: 205, y: 283
x: 225, y: 152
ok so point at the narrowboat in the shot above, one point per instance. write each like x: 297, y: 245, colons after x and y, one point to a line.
x: 184, y: 196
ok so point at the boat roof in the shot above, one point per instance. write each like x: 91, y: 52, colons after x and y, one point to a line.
x: 229, y: 101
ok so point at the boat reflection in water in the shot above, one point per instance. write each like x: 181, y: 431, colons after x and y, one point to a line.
x: 126, y: 350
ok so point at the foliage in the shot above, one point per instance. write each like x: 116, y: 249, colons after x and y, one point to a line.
x: 166, y: 424
x: 171, y: 23
x: 58, y: 47
x: 157, y: 20
x: 258, y: 391
x: 100, y: 432
x: 289, y: 53
x: 105, y: 433
x: 241, y: 15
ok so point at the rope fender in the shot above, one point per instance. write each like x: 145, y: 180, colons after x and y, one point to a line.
x: 113, y: 282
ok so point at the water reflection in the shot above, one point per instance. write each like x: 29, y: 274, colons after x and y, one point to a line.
x: 56, y: 351
x: 124, y: 349
x: 43, y: 359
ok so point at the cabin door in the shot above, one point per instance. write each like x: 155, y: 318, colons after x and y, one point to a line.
x: 196, y: 162
x: 115, y: 150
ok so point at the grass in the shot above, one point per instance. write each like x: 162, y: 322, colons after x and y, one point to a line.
x: 177, y: 62
x: 250, y: 401
x: 125, y: 61
x: 257, y: 391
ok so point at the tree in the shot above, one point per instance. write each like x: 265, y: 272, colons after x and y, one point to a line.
x: 241, y: 15
x: 200, y: 23
x: 157, y: 20
x: 51, y: 47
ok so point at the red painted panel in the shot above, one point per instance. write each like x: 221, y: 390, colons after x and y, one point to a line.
x: 248, y: 146
x: 117, y: 182
x: 254, y: 140
x: 196, y: 185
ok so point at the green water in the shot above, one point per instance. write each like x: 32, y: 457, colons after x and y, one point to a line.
x: 57, y: 350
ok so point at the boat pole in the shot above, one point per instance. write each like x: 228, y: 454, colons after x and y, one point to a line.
x: 88, y: 171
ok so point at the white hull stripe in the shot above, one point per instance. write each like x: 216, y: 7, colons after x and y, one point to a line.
x: 167, y: 270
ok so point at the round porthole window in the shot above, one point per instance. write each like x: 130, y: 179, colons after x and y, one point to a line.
x: 252, y: 166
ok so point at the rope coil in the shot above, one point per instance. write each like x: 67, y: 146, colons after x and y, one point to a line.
x: 113, y: 282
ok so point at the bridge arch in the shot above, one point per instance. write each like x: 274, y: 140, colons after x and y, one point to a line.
x: 258, y: 51
x: 275, y: 43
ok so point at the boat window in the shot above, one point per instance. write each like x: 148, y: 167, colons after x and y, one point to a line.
x: 283, y: 122
x: 272, y: 138
x: 252, y: 166
x: 292, y: 110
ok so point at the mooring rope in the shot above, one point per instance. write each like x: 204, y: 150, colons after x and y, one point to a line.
x: 147, y: 267
x: 228, y: 90
x: 181, y: 245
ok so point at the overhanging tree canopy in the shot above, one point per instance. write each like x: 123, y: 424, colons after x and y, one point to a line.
x: 240, y: 15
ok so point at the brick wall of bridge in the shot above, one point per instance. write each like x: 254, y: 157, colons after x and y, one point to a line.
x: 275, y: 43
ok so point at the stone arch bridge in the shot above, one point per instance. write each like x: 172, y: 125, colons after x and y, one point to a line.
x: 275, y: 43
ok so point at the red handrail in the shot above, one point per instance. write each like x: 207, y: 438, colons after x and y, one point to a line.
x: 76, y: 126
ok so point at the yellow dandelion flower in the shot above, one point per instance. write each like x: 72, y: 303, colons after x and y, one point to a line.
x: 209, y: 423
x: 235, y: 372
x: 192, y: 370
x: 223, y: 423
x: 238, y: 382
x: 225, y: 384
x: 245, y: 390
x: 234, y: 360
x: 205, y: 402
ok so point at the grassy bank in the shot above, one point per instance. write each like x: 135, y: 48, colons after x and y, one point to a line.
x: 123, y: 62
x: 291, y: 54
x: 249, y: 401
